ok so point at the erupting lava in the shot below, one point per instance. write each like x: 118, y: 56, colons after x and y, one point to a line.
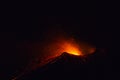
x: 60, y: 45
x: 71, y: 48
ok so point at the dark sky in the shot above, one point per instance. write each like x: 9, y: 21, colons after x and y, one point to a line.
x: 83, y: 27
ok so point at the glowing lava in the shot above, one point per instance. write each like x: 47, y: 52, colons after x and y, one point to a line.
x: 71, y: 48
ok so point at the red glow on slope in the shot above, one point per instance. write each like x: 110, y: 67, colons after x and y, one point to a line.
x: 53, y: 48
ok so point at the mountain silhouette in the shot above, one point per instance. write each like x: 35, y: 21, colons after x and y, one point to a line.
x: 68, y: 67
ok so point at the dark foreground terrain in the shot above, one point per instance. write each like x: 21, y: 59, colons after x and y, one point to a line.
x: 70, y: 67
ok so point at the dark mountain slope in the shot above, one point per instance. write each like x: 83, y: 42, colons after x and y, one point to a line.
x: 71, y: 67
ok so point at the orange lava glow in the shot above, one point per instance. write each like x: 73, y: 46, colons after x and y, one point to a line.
x: 71, y: 48
x: 61, y: 45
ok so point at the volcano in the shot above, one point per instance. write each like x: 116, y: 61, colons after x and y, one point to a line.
x: 66, y: 66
